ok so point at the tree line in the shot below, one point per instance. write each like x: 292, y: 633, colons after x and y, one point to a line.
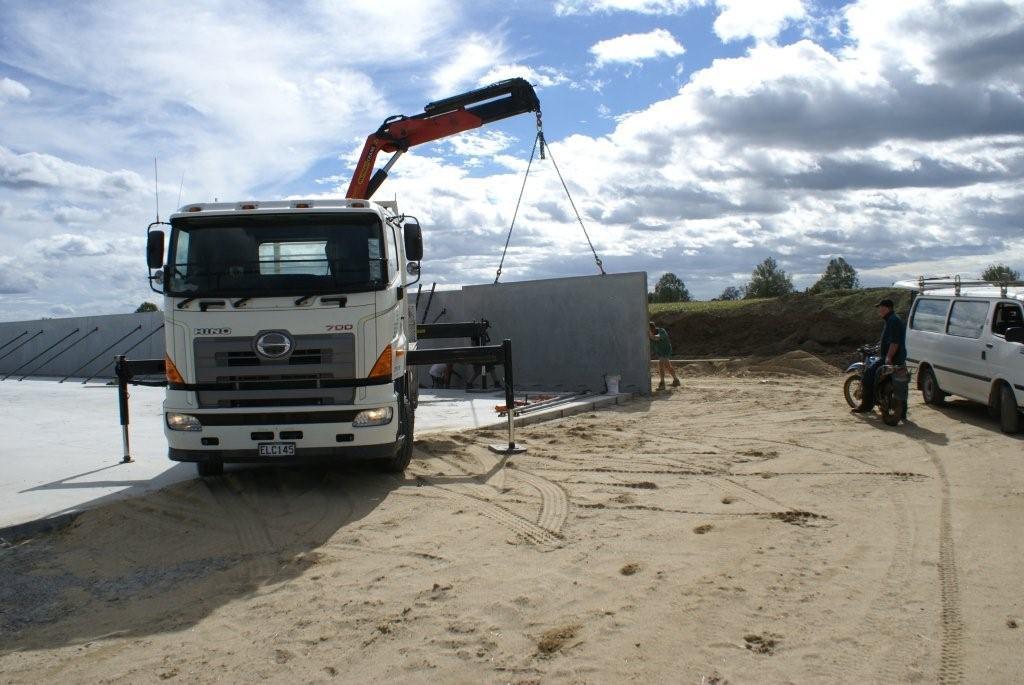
x: 768, y: 279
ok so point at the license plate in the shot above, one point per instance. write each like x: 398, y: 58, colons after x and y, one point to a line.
x: 277, y: 449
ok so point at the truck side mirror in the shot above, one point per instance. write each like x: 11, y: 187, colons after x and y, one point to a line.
x: 1015, y: 335
x: 413, y: 242
x: 155, y: 249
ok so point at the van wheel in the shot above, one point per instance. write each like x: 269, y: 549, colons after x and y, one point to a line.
x: 210, y: 467
x: 406, y: 425
x: 930, y: 390
x: 1009, y: 416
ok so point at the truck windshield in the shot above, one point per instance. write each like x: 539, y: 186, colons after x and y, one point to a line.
x: 276, y: 254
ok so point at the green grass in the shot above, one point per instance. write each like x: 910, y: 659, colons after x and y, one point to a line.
x: 698, y: 306
x: 851, y: 302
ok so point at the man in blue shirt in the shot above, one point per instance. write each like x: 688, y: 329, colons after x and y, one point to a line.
x: 892, y: 351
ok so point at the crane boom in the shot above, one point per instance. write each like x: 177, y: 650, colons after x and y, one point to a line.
x: 439, y: 119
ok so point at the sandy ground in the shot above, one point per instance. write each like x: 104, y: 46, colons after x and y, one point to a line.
x: 733, y: 530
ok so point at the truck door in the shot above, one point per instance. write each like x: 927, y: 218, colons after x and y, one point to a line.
x: 967, y: 372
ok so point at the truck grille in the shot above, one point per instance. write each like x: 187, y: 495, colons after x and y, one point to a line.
x: 305, y: 378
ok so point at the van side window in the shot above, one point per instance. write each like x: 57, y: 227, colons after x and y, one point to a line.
x: 967, y: 319
x: 930, y: 315
x: 1008, y: 315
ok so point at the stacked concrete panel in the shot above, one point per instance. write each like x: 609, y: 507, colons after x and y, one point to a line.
x: 78, y: 347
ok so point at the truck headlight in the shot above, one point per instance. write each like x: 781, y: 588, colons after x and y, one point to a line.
x: 183, y: 422
x: 373, y: 417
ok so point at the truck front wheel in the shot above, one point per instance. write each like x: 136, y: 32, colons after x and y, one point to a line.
x: 406, y: 425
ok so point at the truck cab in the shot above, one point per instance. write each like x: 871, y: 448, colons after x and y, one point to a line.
x: 287, y: 326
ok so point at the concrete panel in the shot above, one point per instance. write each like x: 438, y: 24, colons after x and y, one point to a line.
x: 79, y: 346
x: 567, y: 333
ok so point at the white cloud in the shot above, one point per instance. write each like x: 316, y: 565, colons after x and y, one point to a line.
x: 542, y: 77
x: 15, y: 280
x: 65, y: 245
x: 633, y: 48
x: 35, y: 170
x: 70, y: 214
x: 479, y: 143
x: 947, y: 41
x: 235, y: 103
x: 569, y: 7
x: 467, y: 63
x: 62, y: 310
x: 756, y: 19
x: 13, y: 90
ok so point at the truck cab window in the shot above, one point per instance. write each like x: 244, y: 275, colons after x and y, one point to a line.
x: 392, y: 254
x: 178, y: 263
x: 281, y: 257
x: 275, y: 255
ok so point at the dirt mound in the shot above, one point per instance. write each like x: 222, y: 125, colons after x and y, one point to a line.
x: 794, y: 363
x: 829, y: 324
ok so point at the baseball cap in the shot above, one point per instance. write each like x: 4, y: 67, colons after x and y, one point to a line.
x: 886, y: 302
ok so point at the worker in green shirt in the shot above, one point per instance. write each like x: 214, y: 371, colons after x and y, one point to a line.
x: 661, y: 346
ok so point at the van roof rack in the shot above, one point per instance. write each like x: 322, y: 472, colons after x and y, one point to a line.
x: 924, y: 284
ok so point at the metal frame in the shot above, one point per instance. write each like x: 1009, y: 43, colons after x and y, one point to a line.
x: 942, y: 282
x: 126, y: 371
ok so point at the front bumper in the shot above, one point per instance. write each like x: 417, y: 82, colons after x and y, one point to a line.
x: 235, y: 435
x: 250, y: 456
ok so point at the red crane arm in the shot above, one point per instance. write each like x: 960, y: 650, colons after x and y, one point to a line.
x: 439, y: 119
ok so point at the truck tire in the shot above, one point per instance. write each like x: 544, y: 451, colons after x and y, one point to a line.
x: 406, y: 425
x: 210, y: 467
x: 930, y: 390
x: 412, y: 382
x: 1009, y: 415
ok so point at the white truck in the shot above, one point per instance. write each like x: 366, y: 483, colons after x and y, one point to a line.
x: 286, y: 327
x: 288, y: 323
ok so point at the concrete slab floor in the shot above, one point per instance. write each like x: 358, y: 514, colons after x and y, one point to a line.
x: 61, y: 447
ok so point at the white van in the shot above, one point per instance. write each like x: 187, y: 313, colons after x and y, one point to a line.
x: 968, y: 340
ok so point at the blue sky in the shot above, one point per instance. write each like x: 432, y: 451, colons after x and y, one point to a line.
x: 698, y: 136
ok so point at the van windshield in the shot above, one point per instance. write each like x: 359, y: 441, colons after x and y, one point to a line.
x: 276, y: 254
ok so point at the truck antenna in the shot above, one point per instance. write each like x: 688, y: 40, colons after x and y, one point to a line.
x: 156, y: 189
x: 180, y: 186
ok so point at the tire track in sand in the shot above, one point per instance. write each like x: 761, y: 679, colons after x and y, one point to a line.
x: 554, y: 505
x: 554, y: 502
x: 526, y: 529
x: 951, y: 669
x: 860, y: 661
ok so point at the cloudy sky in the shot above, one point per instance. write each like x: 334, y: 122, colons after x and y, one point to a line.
x: 697, y: 136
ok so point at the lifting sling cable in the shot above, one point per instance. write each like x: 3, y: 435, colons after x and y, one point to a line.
x: 516, y: 212
x: 543, y: 145
x: 597, y: 260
